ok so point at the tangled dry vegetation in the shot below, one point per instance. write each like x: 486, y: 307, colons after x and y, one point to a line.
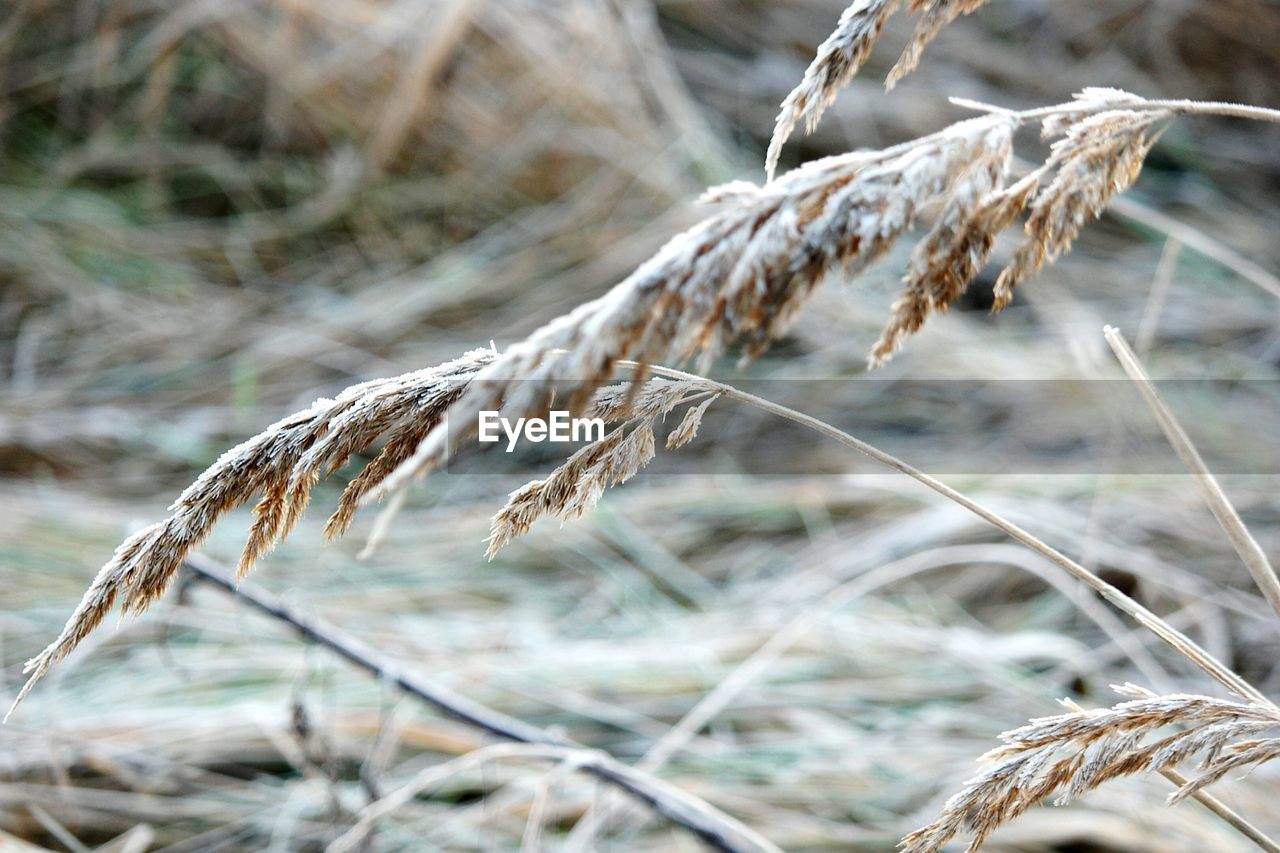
x: 737, y: 279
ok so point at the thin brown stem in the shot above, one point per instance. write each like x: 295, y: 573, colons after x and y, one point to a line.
x: 1181, y: 107
x: 1255, y: 559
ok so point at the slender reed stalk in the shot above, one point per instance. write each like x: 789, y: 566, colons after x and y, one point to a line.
x: 1175, y: 638
x: 1255, y: 559
x: 956, y: 819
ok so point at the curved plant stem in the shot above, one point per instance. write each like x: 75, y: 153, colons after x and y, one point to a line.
x: 1184, y: 644
x: 1225, y: 812
x: 1181, y: 107
x: 1140, y: 614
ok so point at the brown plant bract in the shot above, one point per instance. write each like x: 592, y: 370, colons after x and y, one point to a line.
x: 578, y: 483
x: 1067, y: 755
x: 844, y: 52
x: 282, y: 463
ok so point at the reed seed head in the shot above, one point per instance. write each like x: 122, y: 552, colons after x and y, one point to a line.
x: 578, y: 483
x: 846, y: 50
x: 1065, y: 756
x: 282, y: 464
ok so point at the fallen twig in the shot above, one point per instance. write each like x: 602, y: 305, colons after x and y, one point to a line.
x: 717, y: 829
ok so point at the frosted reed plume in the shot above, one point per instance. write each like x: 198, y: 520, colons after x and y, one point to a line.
x: 955, y: 249
x: 836, y: 63
x: 743, y: 273
x: 282, y: 464
x: 840, y: 57
x: 1065, y: 756
x: 578, y: 483
x: 934, y: 15
x: 739, y: 276
x: 1097, y: 157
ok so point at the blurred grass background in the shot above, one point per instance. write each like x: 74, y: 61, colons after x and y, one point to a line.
x: 213, y: 212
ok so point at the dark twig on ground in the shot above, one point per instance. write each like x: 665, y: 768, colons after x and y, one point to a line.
x: 717, y: 829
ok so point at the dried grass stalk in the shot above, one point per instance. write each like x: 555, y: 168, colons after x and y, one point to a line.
x: 1065, y: 756
x: 1251, y: 553
x: 843, y: 53
x: 282, y: 463
x: 577, y: 484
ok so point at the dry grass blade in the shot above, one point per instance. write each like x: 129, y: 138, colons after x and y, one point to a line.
x: 1197, y: 241
x: 282, y: 463
x: 1065, y: 756
x: 577, y: 484
x: 846, y: 50
x: 1264, y: 574
x: 406, y: 104
x: 1161, y: 283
